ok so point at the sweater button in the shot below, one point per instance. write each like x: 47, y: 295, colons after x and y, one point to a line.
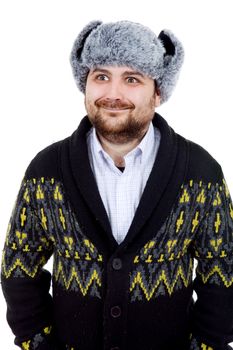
x: 117, y: 264
x: 115, y: 311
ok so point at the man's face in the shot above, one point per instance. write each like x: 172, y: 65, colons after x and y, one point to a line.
x: 120, y: 102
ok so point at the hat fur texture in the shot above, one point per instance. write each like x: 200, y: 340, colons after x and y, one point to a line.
x: 126, y: 43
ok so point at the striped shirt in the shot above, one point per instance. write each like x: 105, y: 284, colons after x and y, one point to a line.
x: 121, y: 191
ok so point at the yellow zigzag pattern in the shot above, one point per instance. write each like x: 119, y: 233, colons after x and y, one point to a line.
x: 74, y: 276
x: 162, y: 278
x: 18, y: 262
x: 206, y: 347
x: 216, y: 269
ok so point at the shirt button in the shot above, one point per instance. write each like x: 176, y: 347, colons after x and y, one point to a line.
x: 117, y: 264
x: 115, y: 311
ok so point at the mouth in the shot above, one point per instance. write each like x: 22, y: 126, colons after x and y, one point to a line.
x: 115, y: 109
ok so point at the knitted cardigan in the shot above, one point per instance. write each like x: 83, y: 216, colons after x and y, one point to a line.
x: 138, y: 294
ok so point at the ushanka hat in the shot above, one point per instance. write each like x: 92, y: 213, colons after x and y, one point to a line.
x: 126, y: 43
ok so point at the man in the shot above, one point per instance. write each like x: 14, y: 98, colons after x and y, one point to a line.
x: 124, y: 205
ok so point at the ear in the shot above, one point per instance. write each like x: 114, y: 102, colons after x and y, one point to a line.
x: 157, y: 100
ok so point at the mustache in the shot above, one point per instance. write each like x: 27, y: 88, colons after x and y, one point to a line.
x: 117, y: 104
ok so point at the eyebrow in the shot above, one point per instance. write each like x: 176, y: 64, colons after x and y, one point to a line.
x: 130, y: 72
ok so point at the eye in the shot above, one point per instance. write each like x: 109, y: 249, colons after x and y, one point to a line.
x: 102, y: 77
x: 132, y: 80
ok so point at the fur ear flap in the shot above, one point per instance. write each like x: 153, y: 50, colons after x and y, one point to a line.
x: 80, y: 71
x: 173, y: 60
x: 79, y: 42
x: 167, y: 43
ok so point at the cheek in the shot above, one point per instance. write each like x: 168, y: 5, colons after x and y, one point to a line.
x: 93, y: 96
x: 94, y: 92
x: 143, y: 100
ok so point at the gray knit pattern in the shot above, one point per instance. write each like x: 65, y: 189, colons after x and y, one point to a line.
x: 126, y: 43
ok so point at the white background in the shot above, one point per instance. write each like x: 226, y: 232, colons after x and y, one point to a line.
x: 40, y: 103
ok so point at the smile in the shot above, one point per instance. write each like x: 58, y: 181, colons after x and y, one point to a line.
x: 115, y: 109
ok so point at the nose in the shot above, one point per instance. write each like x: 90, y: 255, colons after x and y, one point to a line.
x: 114, y: 91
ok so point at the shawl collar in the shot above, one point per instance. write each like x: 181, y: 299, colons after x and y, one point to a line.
x: 160, y: 191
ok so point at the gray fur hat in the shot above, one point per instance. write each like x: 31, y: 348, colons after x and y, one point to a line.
x: 126, y: 43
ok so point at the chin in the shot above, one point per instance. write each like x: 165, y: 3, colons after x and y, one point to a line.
x: 109, y: 113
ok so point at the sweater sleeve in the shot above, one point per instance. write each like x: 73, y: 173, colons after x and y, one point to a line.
x: 212, y: 317
x: 25, y: 283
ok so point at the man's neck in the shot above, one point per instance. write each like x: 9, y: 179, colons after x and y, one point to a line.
x: 117, y: 151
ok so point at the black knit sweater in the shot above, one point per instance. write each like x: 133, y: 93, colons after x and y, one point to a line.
x: 138, y: 294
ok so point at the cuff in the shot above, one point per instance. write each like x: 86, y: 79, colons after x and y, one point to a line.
x: 200, y: 345
x: 40, y: 341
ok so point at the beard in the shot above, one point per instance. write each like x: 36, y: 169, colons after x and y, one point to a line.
x: 120, y: 127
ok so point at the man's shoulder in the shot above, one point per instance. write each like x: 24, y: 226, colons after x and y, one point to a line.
x: 202, y: 165
x: 46, y: 162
